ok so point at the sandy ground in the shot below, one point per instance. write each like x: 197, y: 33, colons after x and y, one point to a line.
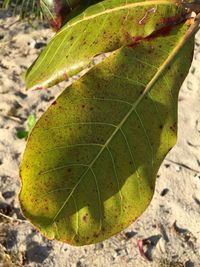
x: 170, y: 227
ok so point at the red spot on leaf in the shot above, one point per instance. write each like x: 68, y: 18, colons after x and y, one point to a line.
x: 136, y: 41
x: 38, y: 88
x: 172, y: 20
x: 162, y: 32
x: 56, y: 23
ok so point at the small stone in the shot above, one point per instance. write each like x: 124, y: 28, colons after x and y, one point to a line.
x: 79, y: 264
x: 99, y: 246
x: 130, y: 234
x: 167, y: 165
x: 8, y: 194
x: 178, y: 168
x: 32, y: 44
x: 164, y: 192
x: 39, y: 45
x: 6, y: 209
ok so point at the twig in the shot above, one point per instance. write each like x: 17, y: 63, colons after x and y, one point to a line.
x: 183, y: 165
x: 12, y: 219
x: 11, y: 118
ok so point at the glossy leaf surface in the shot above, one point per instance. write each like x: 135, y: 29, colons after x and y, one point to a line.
x: 103, y: 27
x: 91, y: 161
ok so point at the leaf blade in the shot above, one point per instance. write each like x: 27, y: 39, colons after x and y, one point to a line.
x: 98, y: 173
x: 103, y: 27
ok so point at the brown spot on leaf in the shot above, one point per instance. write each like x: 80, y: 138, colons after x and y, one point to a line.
x: 95, y: 235
x: 173, y: 127
x: 85, y: 218
x: 65, y: 75
x: 136, y: 40
x: 172, y: 20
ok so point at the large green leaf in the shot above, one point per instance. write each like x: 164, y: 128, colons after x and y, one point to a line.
x: 103, y: 27
x: 91, y: 161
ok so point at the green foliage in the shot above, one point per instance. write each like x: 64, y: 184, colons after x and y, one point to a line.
x: 103, y: 27
x: 91, y: 160
x: 23, y: 133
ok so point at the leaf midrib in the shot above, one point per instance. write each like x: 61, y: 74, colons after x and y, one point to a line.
x: 149, y: 86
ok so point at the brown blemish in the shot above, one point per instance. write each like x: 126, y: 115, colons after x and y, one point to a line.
x: 151, y: 50
x: 95, y: 235
x: 54, y: 103
x: 162, y: 32
x: 136, y: 40
x: 127, y: 36
x: 161, y: 126
x: 65, y: 75
x: 85, y: 218
x: 173, y: 127
x: 172, y: 20
x: 69, y: 170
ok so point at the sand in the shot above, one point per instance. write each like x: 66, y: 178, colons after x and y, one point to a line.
x: 170, y: 227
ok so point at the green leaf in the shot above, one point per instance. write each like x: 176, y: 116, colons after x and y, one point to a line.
x: 31, y: 121
x: 22, y: 134
x: 91, y: 161
x: 102, y: 27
